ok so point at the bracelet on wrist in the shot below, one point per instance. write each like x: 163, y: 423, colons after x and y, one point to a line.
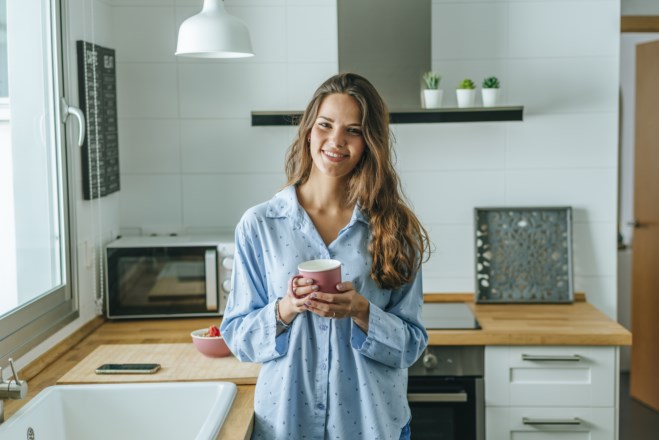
x: 280, y: 322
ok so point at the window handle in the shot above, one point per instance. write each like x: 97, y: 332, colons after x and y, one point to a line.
x: 77, y: 113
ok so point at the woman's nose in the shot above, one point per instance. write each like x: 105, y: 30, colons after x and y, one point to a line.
x: 337, y: 138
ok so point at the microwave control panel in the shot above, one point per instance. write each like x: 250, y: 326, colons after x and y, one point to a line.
x: 225, y: 270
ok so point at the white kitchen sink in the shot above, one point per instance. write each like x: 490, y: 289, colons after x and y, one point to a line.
x: 167, y: 410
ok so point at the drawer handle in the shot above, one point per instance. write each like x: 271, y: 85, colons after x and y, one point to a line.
x: 551, y: 358
x: 573, y: 421
x: 437, y: 397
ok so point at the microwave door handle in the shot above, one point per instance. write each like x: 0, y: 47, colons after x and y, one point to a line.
x: 210, y: 259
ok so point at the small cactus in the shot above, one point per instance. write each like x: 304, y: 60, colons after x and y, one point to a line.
x: 467, y: 84
x: 491, y: 82
x: 431, y: 79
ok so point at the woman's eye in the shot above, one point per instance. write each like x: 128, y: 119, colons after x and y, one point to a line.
x: 324, y: 124
x: 355, y: 131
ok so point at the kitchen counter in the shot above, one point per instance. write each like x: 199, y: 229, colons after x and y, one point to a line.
x: 578, y: 323
x: 53, y: 365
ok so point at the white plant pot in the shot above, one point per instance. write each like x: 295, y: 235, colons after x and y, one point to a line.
x: 490, y: 97
x: 432, y: 98
x: 466, y: 97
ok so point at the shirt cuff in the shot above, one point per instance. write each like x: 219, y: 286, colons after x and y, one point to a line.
x: 358, y: 338
x: 281, y: 335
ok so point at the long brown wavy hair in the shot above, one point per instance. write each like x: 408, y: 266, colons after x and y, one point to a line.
x: 399, y: 242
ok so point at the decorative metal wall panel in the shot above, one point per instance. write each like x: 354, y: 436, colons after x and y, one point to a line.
x: 523, y: 255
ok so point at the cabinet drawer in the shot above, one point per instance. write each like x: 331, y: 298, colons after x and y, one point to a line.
x: 516, y: 423
x: 550, y: 376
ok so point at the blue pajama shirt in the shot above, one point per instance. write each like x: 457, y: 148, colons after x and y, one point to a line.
x: 323, y: 378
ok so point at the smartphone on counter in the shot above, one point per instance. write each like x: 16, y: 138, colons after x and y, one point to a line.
x: 128, y: 369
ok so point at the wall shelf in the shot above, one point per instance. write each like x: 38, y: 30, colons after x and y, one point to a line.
x: 420, y: 116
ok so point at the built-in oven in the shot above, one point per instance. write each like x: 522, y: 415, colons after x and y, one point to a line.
x: 446, y: 391
x: 446, y: 394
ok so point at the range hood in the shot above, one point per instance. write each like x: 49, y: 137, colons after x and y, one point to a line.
x: 389, y: 43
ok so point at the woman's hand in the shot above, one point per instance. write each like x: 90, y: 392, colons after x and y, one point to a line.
x: 348, y: 303
x: 293, y: 303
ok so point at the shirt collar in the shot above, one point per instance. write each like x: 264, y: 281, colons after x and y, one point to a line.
x: 285, y: 204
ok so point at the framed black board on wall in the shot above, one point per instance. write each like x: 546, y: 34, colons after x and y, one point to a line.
x: 97, y: 91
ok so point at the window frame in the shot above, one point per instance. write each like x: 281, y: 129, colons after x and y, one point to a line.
x: 32, y: 323
x: 4, y: 109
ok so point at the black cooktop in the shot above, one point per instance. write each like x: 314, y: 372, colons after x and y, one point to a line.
x: 448, y: 316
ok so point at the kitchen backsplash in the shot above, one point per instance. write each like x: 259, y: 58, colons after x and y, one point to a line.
x: 190, y: 160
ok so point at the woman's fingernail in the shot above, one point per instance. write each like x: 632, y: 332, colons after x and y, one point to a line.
x: 314, y: 287
x: 339, y: 286
x: 307, y: 303
x: 313, y: 295
x: 309, y: 281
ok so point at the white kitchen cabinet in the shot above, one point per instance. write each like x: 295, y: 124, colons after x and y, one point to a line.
x: 537, y: 423
x: 551, y: 392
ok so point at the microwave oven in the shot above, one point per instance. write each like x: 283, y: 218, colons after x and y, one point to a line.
x: 163, y: 276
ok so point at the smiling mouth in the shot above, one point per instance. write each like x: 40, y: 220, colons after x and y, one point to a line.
x: 334, y: 155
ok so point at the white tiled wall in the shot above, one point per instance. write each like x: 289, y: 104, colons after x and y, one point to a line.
x: 96, y: 221
x: 191, y: 161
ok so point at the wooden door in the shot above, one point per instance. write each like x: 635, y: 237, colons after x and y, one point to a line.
x: 644, y: 385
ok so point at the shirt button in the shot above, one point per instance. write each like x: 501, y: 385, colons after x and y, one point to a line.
x: 323, y: 366
x: 320, y: 406
x: 323, y: 327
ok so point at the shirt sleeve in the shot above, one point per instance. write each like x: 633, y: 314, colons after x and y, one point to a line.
x: 249, y: 325
x: 396, y: 337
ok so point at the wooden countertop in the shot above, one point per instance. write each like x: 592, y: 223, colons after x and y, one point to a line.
x: 179, y: 362
x: 579, y: 323
x: 53, y: 365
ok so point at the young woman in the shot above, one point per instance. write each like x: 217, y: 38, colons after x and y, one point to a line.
x: 334, y: 364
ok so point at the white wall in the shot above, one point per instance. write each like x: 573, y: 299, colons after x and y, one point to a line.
x: 187, y: 146
x: 191, y: 161
x: 639, y: 7
x: 560, y: 60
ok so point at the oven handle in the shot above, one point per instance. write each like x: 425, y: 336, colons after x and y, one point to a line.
x: 530, y: 421
x: 437, y: 397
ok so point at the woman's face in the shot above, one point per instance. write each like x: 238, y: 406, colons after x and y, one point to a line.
x: 336, y: 139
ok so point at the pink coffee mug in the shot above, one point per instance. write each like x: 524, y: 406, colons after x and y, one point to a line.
x: 325, y: 273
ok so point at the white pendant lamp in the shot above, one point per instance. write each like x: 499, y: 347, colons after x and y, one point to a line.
x: 213, y: 34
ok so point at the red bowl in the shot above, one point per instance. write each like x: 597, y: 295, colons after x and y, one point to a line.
x: 210, y: 346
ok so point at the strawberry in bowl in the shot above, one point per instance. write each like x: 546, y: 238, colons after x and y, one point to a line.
x: 210, y: 342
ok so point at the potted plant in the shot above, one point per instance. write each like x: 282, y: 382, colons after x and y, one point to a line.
x: 466, y: 93
x: 432, y: 94
x: 490, y: 91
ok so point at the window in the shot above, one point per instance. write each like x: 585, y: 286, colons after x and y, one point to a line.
x: 4, y: 86
x: 35, y: 266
